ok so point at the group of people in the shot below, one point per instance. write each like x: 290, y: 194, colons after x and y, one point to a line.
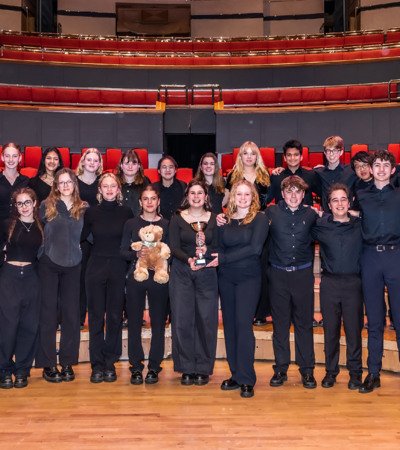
x: 248, y: 241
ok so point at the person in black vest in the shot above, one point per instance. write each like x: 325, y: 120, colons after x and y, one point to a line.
x: 157, y: 294
x: 340, y: 241
x: 291, y: 280
x: 171, y: 190
x: 105, y: 278
x: 50, y: 162
x: 19, y: 286
x: 59, y: 273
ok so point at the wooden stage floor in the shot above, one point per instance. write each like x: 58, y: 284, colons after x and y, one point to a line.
x: 81, y: 415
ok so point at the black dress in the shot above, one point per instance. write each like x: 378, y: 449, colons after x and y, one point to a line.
x: 41, y: 188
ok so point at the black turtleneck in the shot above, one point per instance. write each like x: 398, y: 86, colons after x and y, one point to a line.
x: 105, y: 222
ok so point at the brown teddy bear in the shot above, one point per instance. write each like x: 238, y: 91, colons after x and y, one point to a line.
x: 157, y: 257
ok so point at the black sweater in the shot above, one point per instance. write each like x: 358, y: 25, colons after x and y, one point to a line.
x: 88, y: 192
x: 6, y: 191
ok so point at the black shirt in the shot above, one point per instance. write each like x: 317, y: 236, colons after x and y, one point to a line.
x: 359, y: 185
x: 261, y: 189
x: 182, y: 238
x: 215, y: 199
x: 106, y: 223
x: 290, y: 241
x: 340, y: 244
x: 131, y: 195
x: 6, y: 192
x: 88, y: 192
x: 170, y: 197
x: 41, y: 188
x: 325, y: 177
x: 380, y: 213
x: 308, y: 176
x: 24, y: 243
x: 240, y: 246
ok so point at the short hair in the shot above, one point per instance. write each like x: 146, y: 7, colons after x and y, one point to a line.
x: 383, y: 155
x: 335, y: 142
x: 338, y: 187
x: 294, y: 181
x: 293, y: 144
x: 363, y: 157
x: 167, y: 157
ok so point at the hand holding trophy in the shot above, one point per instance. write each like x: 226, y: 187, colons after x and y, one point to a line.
x: 199, y: 228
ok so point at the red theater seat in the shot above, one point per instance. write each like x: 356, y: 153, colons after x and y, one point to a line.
x: 380, y: 92
x: 75, y: 158
x: 19, y: 93
x: 268, y: 96
x: 268, y: 156
x: 184, y: 174
x: 336, y: 94
x: 290, y: 95
x: 313, y: 95
x: 33, y: 155
x: 66, y: 96
x: 355, y: 148
x: 29, y: 172
x: 152, y: 174
x: 334, y: 41
x: 65, y: 155
x: 392, y: 37
x: 113, y: 157
x: 359, y: 93
x: 373, y: 39
x: 89, y: 96
x: 245, y: 97
x: 226, y: 163
x: 43, y: 95
x: 143, y: 156
x: 111, y: 97
x: 134, y: 97
x: 395, y: 149
x: 315, y: 159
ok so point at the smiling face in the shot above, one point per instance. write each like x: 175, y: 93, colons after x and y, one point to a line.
x: 382, y: 170
x: 91, y: 162
x: 333, y: 154
x: 109, y: 188
x: 293, y: 158
x: 65, y: 185
x: 339, y: 204
x: 293, y: 197
x: 51, y: 162
x: 363, y: 170
x: 196, y: 196
x: 208, y: 166
x: 11, y: 157
x: 149, y: 201
x: 25, y: 206
x: 243, y: 197
x: 249, y: 157
x: 167, y: 170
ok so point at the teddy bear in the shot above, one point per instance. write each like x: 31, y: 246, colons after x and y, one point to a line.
x: 156, y: 258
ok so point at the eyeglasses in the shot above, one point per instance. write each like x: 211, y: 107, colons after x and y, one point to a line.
x: 333, y: 151
x: 65, y: 183
x: 25, y: 203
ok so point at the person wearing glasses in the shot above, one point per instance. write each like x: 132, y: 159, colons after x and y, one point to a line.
x: 19, y: 286
x: 59, y: 272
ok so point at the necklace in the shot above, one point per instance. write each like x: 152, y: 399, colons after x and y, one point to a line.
x: 195, y: 217
x: 28, y: 229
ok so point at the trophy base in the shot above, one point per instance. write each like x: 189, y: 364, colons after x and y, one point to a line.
x: 200, y: 262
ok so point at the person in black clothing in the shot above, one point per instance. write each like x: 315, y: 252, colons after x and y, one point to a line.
x: 380, y: 260
x: 89, y: 169
x: 59, y: 272
x: 293, y: 155
x: 171, y: 190
x: 50, y: 162
x: 19, y: 287
x: 340, y: 241
x: 10, y: 178
x: 240, y: 244
x: 133, y: 180
x: 193, y: 288
x: 105, y: 278
x: 291, y: 280
x: 157, y: 294
x: 209, y: 172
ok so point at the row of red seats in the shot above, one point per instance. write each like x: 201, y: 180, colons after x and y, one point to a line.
x: 310, y: 159
x: 190, y: 46
x: 26, y: 54
x: 372, y: 92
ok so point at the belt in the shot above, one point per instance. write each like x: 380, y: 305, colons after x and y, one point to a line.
x: 384, y: 247
x: 292, y: 268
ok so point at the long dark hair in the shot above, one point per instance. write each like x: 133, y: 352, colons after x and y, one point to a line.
x: 131, y: 156
x: 15, y: 214
x: 203, y: 185
x: 217, y: 181
x: 42, y: 167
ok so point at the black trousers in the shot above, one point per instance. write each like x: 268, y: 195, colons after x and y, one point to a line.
x: 19, y: 318
x: 342, y: 298
x: 157, y: 295
x: 194, y: 305
x: 86, y: 248
x: 105, y: 290
x: 264, y: 304
x: 239, y: 298
x: 60, y: 284
x: 292, y: 300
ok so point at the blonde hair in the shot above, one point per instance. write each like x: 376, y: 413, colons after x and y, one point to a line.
x: 78, y: 206
x: 237, y: 173
x: 79, y: 170
x: 99, y: 195
x: 217, y: 181
x: 254, y: 206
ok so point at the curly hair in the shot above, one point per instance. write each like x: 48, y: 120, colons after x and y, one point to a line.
x: 254, y: 205
x: 217, y: 181
x: 99, y: 195
x: 130, y: 156
x: 237, y: 173
x: 78, y: 206
x: 79, y: 170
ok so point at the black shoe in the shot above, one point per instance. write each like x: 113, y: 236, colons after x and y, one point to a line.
x: 321, y: 323
x: 52, y: 374
x: 187, y: 379
x: 6, y: 381
x: 246, y: 390
x: 200, y: 379
x: 355, y: 382
x: 21, y: 381
x: 370, y: 383
x: 366, y: 325
x: 315, y: 323
x: 67, y: 373
x: 97, y: 376
x: 109, y: 376
x: 308, y: 381
x: 136, y: 377
x: 278, y: 379
x: 259, y: 322
x: 391, y: 326
x: 328, y: 381
x: 151, y: 377
x: 125, y: 323
x: 229, y: 385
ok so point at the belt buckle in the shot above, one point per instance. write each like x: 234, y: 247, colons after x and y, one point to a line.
x: 290, y: 269
x: 380, y: 248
